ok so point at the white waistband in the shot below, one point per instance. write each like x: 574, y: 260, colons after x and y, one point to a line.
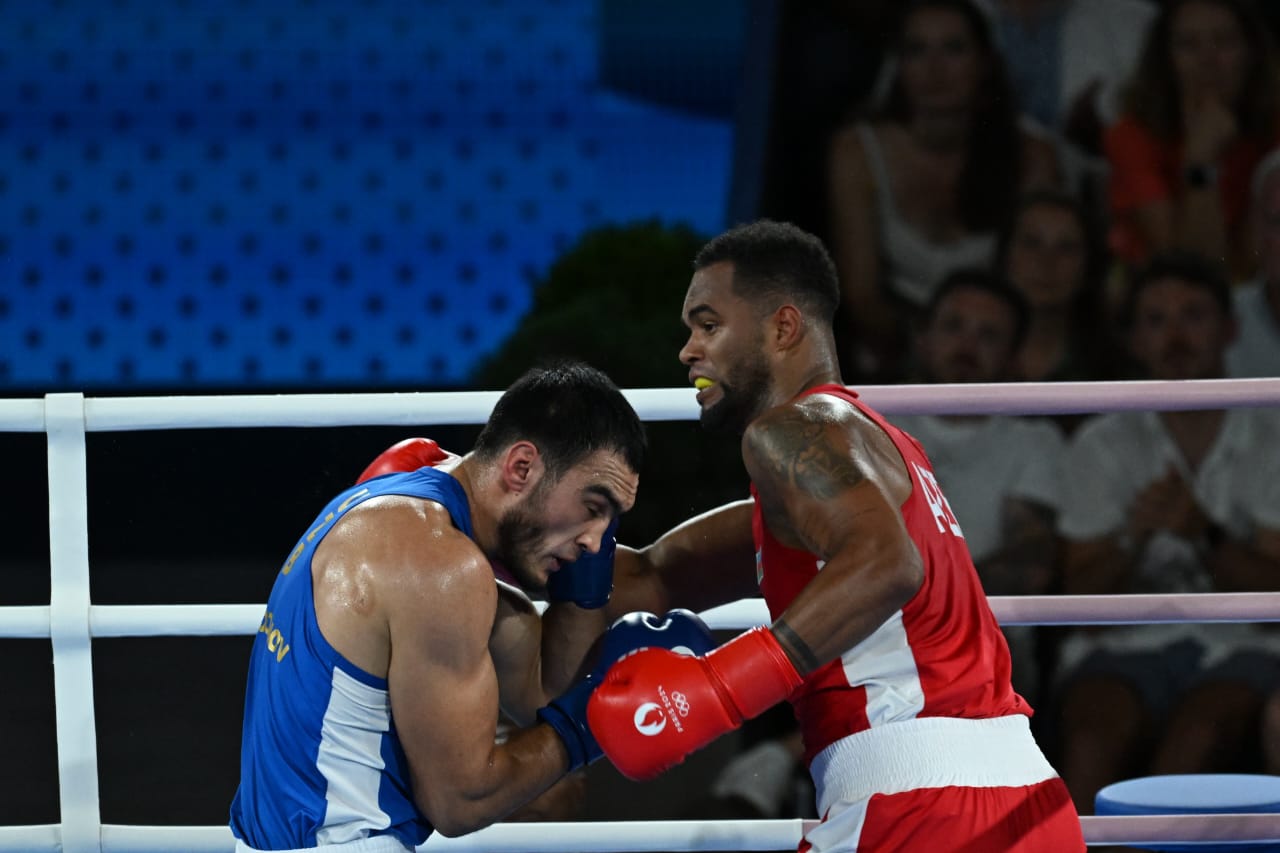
x: 374, y: 844
x: 929, y: 752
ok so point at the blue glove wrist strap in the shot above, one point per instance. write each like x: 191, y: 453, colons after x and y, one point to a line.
x: 567, y: 714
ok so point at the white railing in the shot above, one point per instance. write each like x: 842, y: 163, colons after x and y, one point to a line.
x: 70, y: 620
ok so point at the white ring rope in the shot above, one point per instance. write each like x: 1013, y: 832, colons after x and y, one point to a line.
x: 107, y: 414
x: 231, y: 620
x: 619, y: 836
x: 71, y: 620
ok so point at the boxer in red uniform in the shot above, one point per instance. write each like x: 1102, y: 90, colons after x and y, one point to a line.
x: 881, y: 637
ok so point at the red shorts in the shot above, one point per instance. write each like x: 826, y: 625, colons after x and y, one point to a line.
x: 1031, y: 819
x: 935, y: 784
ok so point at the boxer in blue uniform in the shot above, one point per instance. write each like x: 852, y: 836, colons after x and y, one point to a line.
x: 387, y: 648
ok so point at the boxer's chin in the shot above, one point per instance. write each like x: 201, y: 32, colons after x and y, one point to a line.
x: 508, y: 577
x: 729, y: 414
x: 531, y: 573
x: 518, y: 534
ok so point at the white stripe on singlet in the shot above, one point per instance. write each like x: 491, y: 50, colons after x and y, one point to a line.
x: 885, y: 665
x: 355, y: 722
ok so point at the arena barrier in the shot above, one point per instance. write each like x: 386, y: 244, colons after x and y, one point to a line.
x: 71, y: 619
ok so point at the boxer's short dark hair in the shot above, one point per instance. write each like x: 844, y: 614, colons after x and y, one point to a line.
x: 568, y: 410
x: 777, y: 260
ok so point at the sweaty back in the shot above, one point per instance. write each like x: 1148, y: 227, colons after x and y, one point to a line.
x: 320, y: 759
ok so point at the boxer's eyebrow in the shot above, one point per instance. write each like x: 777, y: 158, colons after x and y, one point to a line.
x: 697, y: 311
x: 609, y: 497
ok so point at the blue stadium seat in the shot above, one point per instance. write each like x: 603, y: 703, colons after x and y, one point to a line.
x: 1198, y: 793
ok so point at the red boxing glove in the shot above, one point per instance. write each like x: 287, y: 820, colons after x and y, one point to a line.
x: 408, y: 455
x: 655, y: 706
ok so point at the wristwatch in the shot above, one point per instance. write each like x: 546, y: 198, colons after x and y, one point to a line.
x: 1199, y: 176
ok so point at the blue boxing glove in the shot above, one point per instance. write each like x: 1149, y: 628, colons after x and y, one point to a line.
x: 588, y: 580
x: 681, y: 631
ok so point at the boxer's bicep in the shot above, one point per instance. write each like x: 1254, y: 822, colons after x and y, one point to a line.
x: 822, y: 491
x: 443, y: 684
x: 515, y: 644
x: 816, y: 481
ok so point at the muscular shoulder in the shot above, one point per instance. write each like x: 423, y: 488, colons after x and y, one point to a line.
x: 392, y: 570
x: 816, y: 440
x: 414, y: 552
x: 823, y: 445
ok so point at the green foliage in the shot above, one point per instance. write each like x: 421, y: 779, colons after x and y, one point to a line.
x: 613, y: 300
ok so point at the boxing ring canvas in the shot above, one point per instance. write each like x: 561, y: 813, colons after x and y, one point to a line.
x: 71, y: 620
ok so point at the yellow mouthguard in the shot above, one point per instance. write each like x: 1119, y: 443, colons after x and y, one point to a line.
x: 702, y: 382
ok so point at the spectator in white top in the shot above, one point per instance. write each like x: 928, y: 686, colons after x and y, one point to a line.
x: 921, y: 187
x: 1256, y: 349
x: 1002, y: 473
x: 1184, y: 501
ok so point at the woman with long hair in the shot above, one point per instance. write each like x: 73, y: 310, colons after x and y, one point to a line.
x: 1200, y: 113
x: 1049, y: 250
x: 921, y: 187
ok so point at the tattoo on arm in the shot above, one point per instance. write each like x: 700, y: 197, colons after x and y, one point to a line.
x: 800, y: 452
x: 798, y: 650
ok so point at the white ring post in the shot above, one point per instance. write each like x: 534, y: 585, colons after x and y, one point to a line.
x: 69, y: 624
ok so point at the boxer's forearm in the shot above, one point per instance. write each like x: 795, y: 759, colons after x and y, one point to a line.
x: 569, y: 633
x: 706, y: 561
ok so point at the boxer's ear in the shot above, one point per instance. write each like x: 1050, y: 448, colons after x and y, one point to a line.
x: 522, y: 468
x: 786, y: 327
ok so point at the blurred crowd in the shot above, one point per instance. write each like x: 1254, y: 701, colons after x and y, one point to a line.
x: 1085, y: 190
x: 1059, y: 190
